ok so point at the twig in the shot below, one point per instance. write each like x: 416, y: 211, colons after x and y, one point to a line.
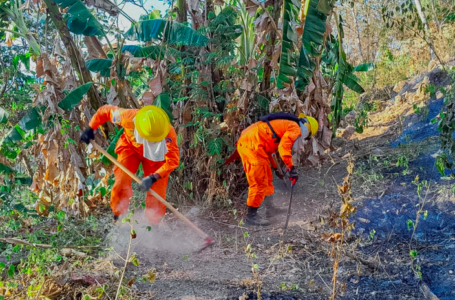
x: 126, y: 259
x: 40, y: 288
x: 16, y: 241
x: 372, y: 266
x: 102, y: 288
x: 324, y: 282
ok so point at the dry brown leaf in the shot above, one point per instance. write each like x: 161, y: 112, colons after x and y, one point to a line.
x: 276, y: 56
x: 148, y: 98
x: 156, y: 87
x: 39, y: 67
x: 262, y: 23
x: 243, y: 101
x: 251, y: 7
x: 111, y: 95
x: 94, y: 47
x: 247, y: 85
x: 252, y: 63
x: 58, y: 49
x: 104, y: 5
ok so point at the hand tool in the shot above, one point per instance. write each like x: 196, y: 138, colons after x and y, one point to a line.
x: 208, y: 241
x: 285, y: 176
x: 279, y: 170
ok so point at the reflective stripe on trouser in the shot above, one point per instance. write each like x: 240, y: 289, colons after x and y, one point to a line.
x: 122, y: 191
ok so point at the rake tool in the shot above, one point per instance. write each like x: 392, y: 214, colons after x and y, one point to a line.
x: 208, y: 241
x: 284, y: 176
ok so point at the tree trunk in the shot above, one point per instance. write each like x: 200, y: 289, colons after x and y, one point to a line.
x: 423, y: 18
x: 181, y: 11
x: 435, y: 13
x: 77, y: 61
x: 216, y: 73
x: 265, y: 84
x: 356, y: 28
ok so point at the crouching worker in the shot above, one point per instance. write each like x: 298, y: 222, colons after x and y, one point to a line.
x: 279, y: 131
x: 148, y: 138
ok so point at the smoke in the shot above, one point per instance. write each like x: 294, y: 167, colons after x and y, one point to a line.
x: 170, y: 237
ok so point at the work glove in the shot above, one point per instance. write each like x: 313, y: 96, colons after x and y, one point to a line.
x: 292, y: 174
x: 278, y: 174
x: 88, y: 135
x: 147, y: 182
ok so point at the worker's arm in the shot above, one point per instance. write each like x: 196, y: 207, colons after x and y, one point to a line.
x: 287, y: 140
x: 107, y: 113
x: 172, y: 157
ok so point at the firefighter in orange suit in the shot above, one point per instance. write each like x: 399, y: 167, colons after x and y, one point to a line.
x: 280, y: 131
x: 148, y: 138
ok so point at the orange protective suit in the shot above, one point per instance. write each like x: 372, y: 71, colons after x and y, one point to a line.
x: 130, y: 154
x: 255, y: 147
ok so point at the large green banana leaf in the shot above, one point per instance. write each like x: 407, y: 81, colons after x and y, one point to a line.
x: 4, y: 169
x: 153, y: 52
x: 100, y: 65
x: 164, y: 101
x: 79, y: 19
x: 312, y: 38
x: 288, y: 60
x: 176, y: 33
x: 73, y: 98
x: 14, y: 135
x: 364, y: 67
x: 30, y: 120
x: 146, y: 31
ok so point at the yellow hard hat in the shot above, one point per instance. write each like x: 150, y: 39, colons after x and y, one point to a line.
x: 312, y: 124
x: 152, y: 123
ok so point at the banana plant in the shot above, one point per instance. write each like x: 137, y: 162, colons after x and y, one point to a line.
x: 312, y: 38
x: 246, y: 45
x: 288, y: 60
x: 342, y: 71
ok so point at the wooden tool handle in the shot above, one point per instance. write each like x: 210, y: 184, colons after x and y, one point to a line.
x: 135, y: 178
x: 277, y: 164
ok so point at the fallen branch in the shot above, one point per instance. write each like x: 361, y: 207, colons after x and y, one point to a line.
x: 371, y: 265
x: 64, y: 251
x: 427, y: 292
x: 15, y: 241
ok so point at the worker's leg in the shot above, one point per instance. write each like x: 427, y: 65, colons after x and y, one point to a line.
x: 258, y: 182
x: 154, y: 209
x: 270, y: 190
x: 121, y: 191
x: 259, y: 185
x: 270, y: 208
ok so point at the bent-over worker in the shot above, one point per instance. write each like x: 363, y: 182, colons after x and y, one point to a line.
x: 279, y: 131
x: 148, y: 138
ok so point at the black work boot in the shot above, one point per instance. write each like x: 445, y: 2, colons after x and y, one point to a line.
x: 252, y: 218
x: 270, y: 208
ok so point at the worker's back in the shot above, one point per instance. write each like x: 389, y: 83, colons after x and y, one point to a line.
x: 259, y: 138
